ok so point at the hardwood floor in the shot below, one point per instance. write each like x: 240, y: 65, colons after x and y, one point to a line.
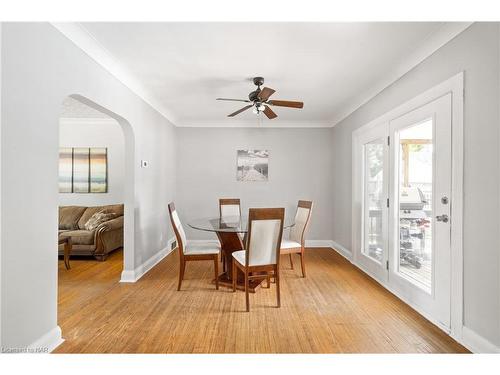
x: 336, y: 309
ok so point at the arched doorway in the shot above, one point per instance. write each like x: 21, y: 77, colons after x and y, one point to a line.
x: 126, y: 180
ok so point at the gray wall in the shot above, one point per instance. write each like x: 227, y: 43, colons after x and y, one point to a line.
x: 300, y: 167
x: 475, y: 51
x: 40, y: 68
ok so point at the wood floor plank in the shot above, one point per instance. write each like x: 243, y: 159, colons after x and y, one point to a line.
x: 336, y: 309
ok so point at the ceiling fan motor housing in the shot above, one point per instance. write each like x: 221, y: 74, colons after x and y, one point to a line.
x: 254, y: 95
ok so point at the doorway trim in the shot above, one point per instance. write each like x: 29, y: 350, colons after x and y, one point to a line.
x: 455, y: 87
x: 129, y: 189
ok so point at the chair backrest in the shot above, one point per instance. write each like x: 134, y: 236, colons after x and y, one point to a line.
x: 180, y: 235
x: 265, y: 228
x: 229, y: 207
x: 297, y: 232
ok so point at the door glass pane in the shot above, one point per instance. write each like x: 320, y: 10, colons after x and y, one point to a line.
x: 374, y: 199
x: 415, y: 203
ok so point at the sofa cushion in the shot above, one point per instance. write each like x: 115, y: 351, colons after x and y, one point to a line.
x: 116, y: 208
x: 69, y: 216
x: 80, y: 237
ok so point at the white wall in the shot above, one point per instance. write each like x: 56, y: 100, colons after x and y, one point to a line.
x: 93, y: 132
x: 475, y: 51
x: 41, y: 67
x: 300, y: 167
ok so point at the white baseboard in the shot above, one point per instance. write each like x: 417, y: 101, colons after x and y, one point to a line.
x: 131, y: 276
x: 346, y: 253
x: 477, y: 343
x: 48, y: 342
x: 319, y: 243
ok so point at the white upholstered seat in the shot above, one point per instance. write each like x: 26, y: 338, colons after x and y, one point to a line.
x: 295, y: 242
x: 265, y: 227
x: 198, y: 248
x: 289, y: 244
x: 239, y: 256
x: 190, y: 250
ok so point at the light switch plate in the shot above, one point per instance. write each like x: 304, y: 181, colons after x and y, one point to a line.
x: 144, y: 163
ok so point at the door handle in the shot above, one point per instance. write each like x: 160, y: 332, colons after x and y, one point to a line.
x: 443, y: 218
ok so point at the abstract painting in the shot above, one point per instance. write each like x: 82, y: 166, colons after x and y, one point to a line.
x: 252, y: 165
x: 83, y: 170
x: 65, y: 170
x: 98, y: 170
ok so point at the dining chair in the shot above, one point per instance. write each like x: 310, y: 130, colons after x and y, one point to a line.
x: 228, y: 208
x: 296, y: 241
x: 261, y: 254
x: 189, y: 251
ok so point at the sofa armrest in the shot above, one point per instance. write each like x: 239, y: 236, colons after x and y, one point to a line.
x: 109, y: 236
x: 112, y: 224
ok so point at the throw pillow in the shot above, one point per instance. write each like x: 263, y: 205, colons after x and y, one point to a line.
x: 98, y: 218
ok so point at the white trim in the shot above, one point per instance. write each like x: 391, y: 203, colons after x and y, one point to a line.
x: 83, y: 39
x: 477, y: 343
x: 345, y: 252
x: 453, y: 85
x: 50, y: 340
x: 434, y: 42
x: 79, y: 35
x: 229, y: 122
x: 131, y: 276
x: 319, y: 243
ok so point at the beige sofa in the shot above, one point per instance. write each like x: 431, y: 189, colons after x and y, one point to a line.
x: 108, y: 236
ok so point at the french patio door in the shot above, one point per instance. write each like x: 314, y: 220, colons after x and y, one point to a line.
x: 404, y: 189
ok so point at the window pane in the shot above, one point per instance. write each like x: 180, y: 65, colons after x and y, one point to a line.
x: 415, y: 204
x: 374, y: 199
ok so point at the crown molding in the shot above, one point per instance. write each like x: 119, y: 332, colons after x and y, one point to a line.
x: 433, y: 42
x: 230, y: 123
x: 85, y: 41
x: 95, y: 50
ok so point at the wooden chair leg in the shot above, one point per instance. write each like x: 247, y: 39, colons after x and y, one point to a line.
x: 216, y: 271
x: 302, y: 263
x: 235, y: 275
x: 268, y: 279
x: 277, y: 273
x: 291, y: 260
x: 182, y: 268
x: 247, y: 297
x: 223, y: 260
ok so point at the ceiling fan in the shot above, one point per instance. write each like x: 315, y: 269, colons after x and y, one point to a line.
x: 260, y: 101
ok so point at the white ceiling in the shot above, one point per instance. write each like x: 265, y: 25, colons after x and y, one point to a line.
x: 72, y: 108
x: 332, y: 67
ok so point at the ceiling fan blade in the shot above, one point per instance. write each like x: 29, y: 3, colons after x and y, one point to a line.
x: 240, y: 110
x: 286, y: 103
x: 265, y: 93
x: 234, y: 100
x: 269, y: 113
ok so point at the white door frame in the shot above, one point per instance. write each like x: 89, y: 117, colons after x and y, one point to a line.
x: 360, y: 139
x: 455, y: 87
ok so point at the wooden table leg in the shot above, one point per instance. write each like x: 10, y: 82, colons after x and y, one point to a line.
x: 231, y: 242
x: 68, y: 246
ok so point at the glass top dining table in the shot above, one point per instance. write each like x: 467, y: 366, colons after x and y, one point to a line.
x: 230, y: 224
x: 229, y: 231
